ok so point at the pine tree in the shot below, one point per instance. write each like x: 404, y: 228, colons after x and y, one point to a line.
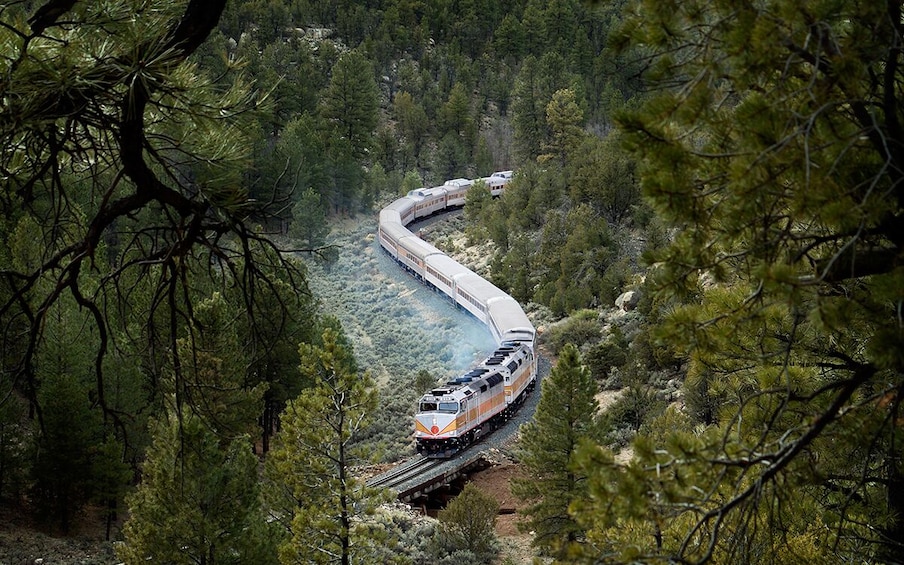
x: 773, y: 147
x: 212, y: 378
x: 478, y: 204
x: 604, y: 177
x: 412, y: 121
x: 310, y: 465
x: 309, y: 223
x: 534, y: 87
x: 198, y: 502
x: 564, y: 117
x: 351, y: 101
x: 564, y: 418
x: 128, y: 161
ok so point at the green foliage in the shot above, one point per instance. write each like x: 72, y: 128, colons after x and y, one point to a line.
x: 13, y: 448
x: 581, y: 328
x: 271, y: 349
x: 478, y: 205
x: 125, y: 167
x: 310, y: 467
x: 455, y: 115
x: 451, y: 157
x: 61, y: 467
x: 770, y: 148
x: 547, y: 446
x: 388, y: 434
x: 604, y: 176
x: 508, y: 41
x: 514, y: 269
x: 309, y: 224
x: 198, y: 501
x: 636, y: 406
x: 469, y: 523
x: 75, y: 458
x: 575, y: 251
x: 565, y: 118
x: 295, y: 163
x: 603, y: 357
x: 350, y: 101
x: 412, y: 122
x: 212, y: 378
x: 411, y: 181
x: 110, y: 478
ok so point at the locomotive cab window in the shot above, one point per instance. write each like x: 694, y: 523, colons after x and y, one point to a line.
x: 449, y: 407
x: 428, y: 406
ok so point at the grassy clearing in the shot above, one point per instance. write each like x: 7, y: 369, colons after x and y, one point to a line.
x: 397, y: 325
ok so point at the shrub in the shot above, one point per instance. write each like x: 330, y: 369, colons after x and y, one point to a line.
x: 468, y: 525
x: 581, y: 328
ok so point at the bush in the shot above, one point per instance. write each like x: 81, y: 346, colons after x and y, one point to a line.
x: 389, y: 434
x: 467, y: 525
x: 581, y: 328
x: 637, y: 406
x: 604, y: 358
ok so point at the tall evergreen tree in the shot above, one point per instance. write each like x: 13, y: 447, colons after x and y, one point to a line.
x: 564, y: 117
x: 604, y: 176
x: 310, y: 466
x: 412, y: 122
x: 309, y: 223
x: 198, y: 502
x: 478, y: 203
x: 537, y: 81
x: 564, y: 418
x: 351, y: 101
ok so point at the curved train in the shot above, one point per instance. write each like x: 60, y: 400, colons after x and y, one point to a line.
x: 452, y: 416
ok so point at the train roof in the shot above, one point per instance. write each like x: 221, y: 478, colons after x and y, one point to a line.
x: 395, y: 230
x: 401, y: 205
x: 417, y: 246
x: 479, y: 288
x: 459, y: 182
x: 509, y: 318
x: 388, y: 216
x: 489, y: 372
x: 448, y: 266
x: 421, y: 193
x: 495, y: 181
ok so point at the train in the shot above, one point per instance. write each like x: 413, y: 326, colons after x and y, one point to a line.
x: 452, y: 416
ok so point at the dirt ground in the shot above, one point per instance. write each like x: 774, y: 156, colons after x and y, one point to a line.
x: 495, y: 481
x: 23, y: 542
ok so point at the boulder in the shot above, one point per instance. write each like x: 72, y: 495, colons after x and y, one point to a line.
x: 627, y: 301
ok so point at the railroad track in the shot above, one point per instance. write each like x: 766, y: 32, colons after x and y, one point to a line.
x: 404, y: 473
x: 419, y: 475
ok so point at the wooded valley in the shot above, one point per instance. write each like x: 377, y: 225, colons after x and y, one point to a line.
x: 175, y: 177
